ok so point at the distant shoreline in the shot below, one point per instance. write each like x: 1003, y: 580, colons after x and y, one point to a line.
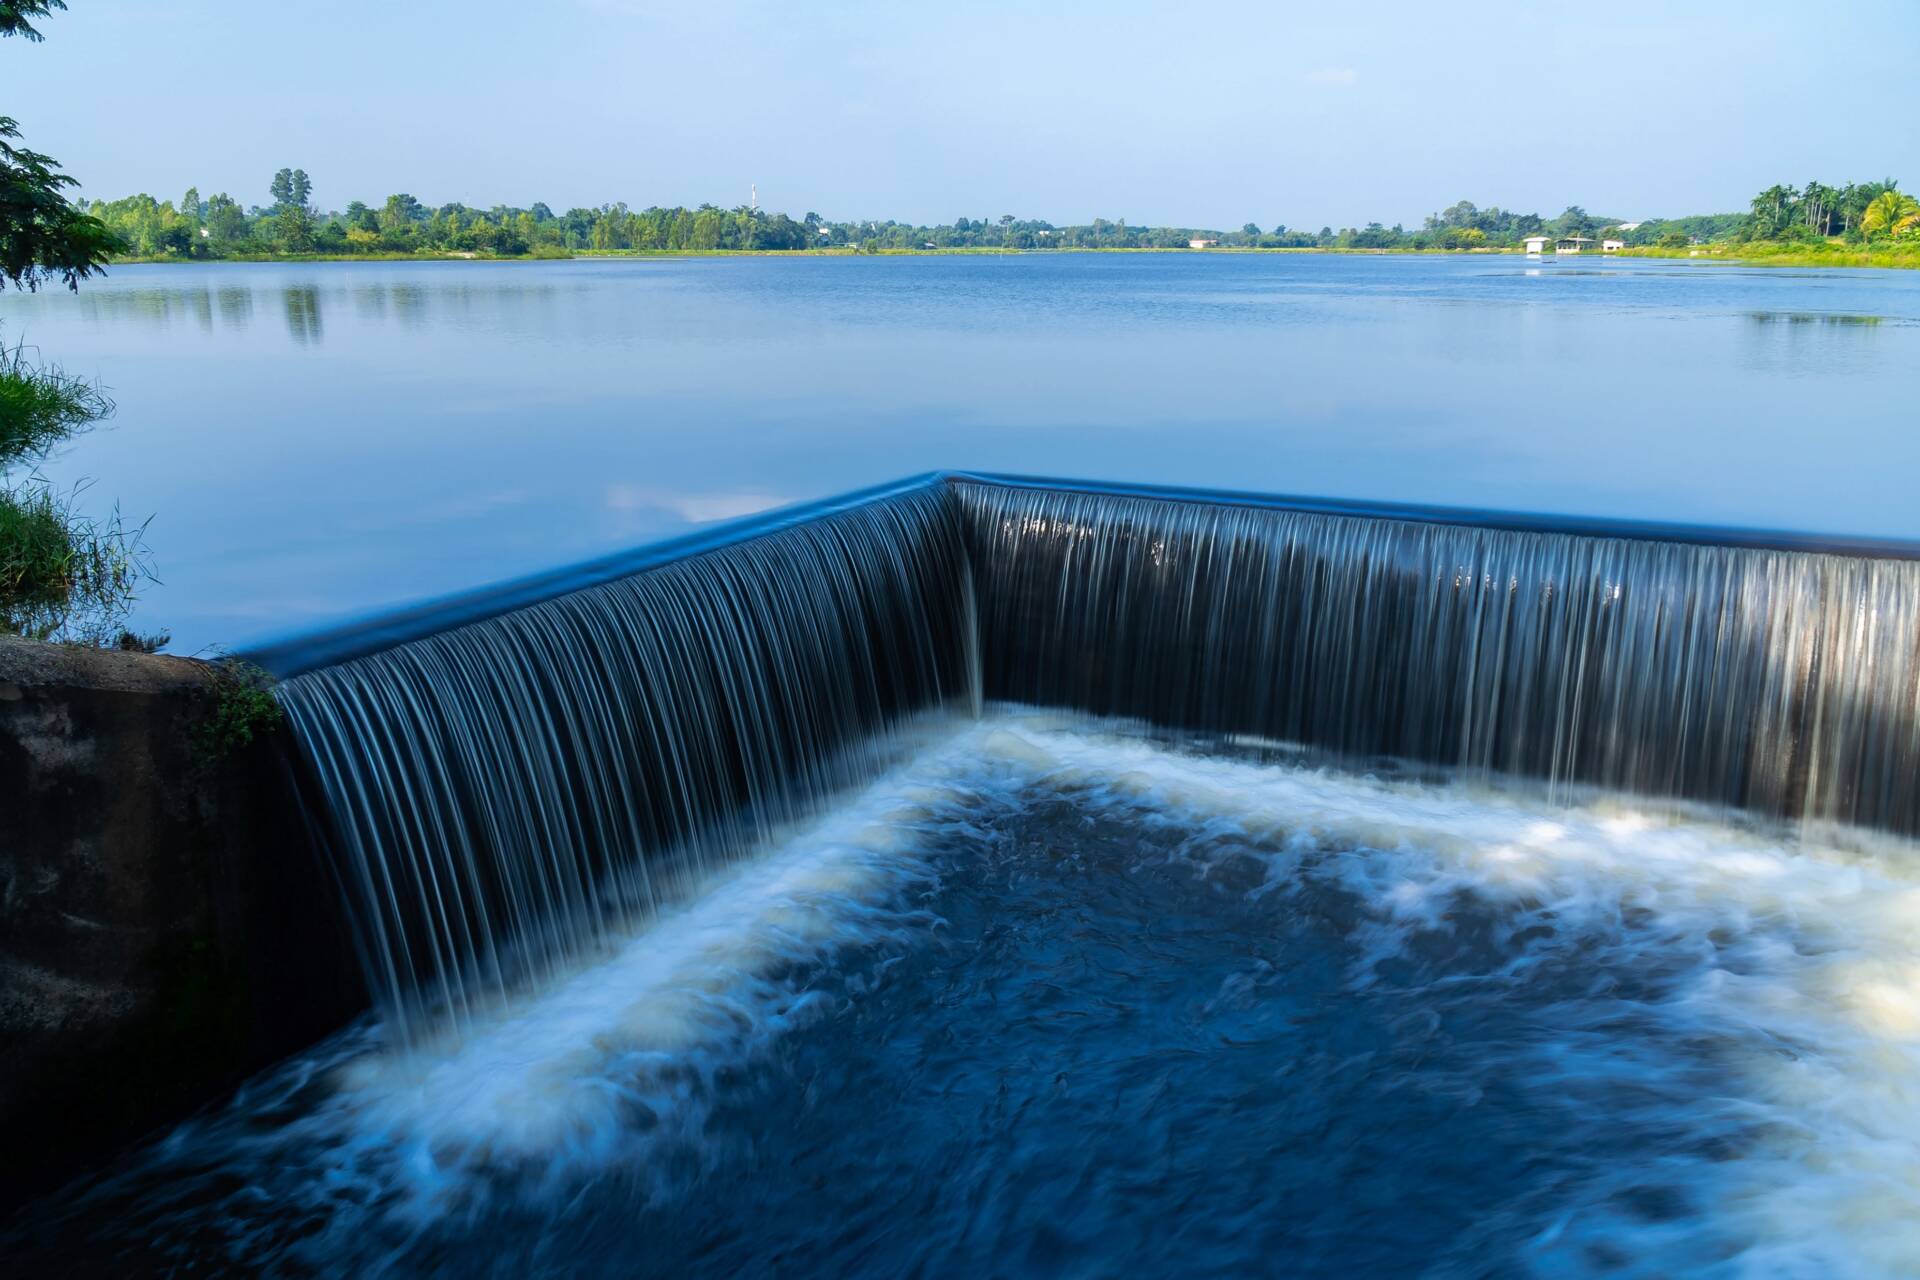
x: 1706, y: 255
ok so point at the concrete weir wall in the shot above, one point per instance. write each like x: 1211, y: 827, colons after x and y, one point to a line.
x: 165, y: 927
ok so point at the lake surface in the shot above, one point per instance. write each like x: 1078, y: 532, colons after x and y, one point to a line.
x: 316, y: 441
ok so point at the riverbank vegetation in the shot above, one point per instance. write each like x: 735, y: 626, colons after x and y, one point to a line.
x: 64, y: 575
x: 219, y: 227
x: 1860, y: 223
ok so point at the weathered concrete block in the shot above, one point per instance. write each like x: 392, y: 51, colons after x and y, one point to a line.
x: 165, y: 926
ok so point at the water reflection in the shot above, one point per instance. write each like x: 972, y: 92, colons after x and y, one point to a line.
x: 303, y: 303
x: 236, y: 307
x: 403, y: 303
x: 155, y: 306
x: 1782, y: 341
x: 201, y: 301
x: 1828, y: 318
x: 303, y: 314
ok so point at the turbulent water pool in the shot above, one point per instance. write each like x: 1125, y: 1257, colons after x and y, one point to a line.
x: 1058, y: 997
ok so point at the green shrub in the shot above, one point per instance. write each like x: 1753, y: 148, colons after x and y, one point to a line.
x: 35, y: 552
x: 63, y: 575
x: 41, y: 406
x: 244, y: 709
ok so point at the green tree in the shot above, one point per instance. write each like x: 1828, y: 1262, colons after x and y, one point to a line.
x: 290, y: 187
x: 295, y: 228
x: 400, y: 213
x: 1772, y: 210
x: 1855, y: 198
x: 42, y: 236
x: 706, y: 229
x: 14, y: 15
x: 225, y: 221
x: 1574, y: 222
x: 1819, y: 206
x: 292, y: 216
x: 1891, y: 213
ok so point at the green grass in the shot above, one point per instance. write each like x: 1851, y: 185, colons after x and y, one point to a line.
x: 36, y: 553
x: 1902, y: 254
x: 63, y: 574
x: 41, y: 405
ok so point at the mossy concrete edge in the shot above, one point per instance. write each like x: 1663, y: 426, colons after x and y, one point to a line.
x: 165, y: 925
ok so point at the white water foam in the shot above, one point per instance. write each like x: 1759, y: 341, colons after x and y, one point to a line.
x: 1802, y: 959
x: 373, y: 1145
x: 1797, y: 961
x: 594, y: 1070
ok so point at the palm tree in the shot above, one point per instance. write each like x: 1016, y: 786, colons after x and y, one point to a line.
x: 1770, y: 210
x: 1892, y: 212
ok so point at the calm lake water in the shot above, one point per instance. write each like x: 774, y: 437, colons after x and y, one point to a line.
x: 317, y: 441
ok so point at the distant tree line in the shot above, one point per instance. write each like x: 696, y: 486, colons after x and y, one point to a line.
x: 220, y: 226
x: 1857, y: 211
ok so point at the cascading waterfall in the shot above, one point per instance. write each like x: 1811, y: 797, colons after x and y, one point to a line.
x: 1046, y: 981
x: 502, y: 793
x: 1779, y: 681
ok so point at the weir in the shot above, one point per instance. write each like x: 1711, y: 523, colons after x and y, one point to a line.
x: 499, y: 794
x: 1735, y: 668
x: 504, y: 778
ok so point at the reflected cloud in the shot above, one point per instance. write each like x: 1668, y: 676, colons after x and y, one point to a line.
x: 694, y: 508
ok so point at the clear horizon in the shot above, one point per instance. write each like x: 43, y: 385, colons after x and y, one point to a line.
x: 1256, y: 114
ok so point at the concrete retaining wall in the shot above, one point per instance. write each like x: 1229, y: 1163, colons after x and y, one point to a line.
x: 165, y: 927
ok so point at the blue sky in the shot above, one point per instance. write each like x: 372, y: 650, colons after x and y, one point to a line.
x: 1158, y: 113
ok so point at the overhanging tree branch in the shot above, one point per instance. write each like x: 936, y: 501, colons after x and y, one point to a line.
x: 42, y: 236
x: 14, y: 15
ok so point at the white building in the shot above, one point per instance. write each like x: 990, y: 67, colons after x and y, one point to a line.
x: 1612, y: 246
x: 1536, y: 245
x: 1202, y: 244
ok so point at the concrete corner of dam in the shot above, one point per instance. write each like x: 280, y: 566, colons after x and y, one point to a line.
x: 164, y: 925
